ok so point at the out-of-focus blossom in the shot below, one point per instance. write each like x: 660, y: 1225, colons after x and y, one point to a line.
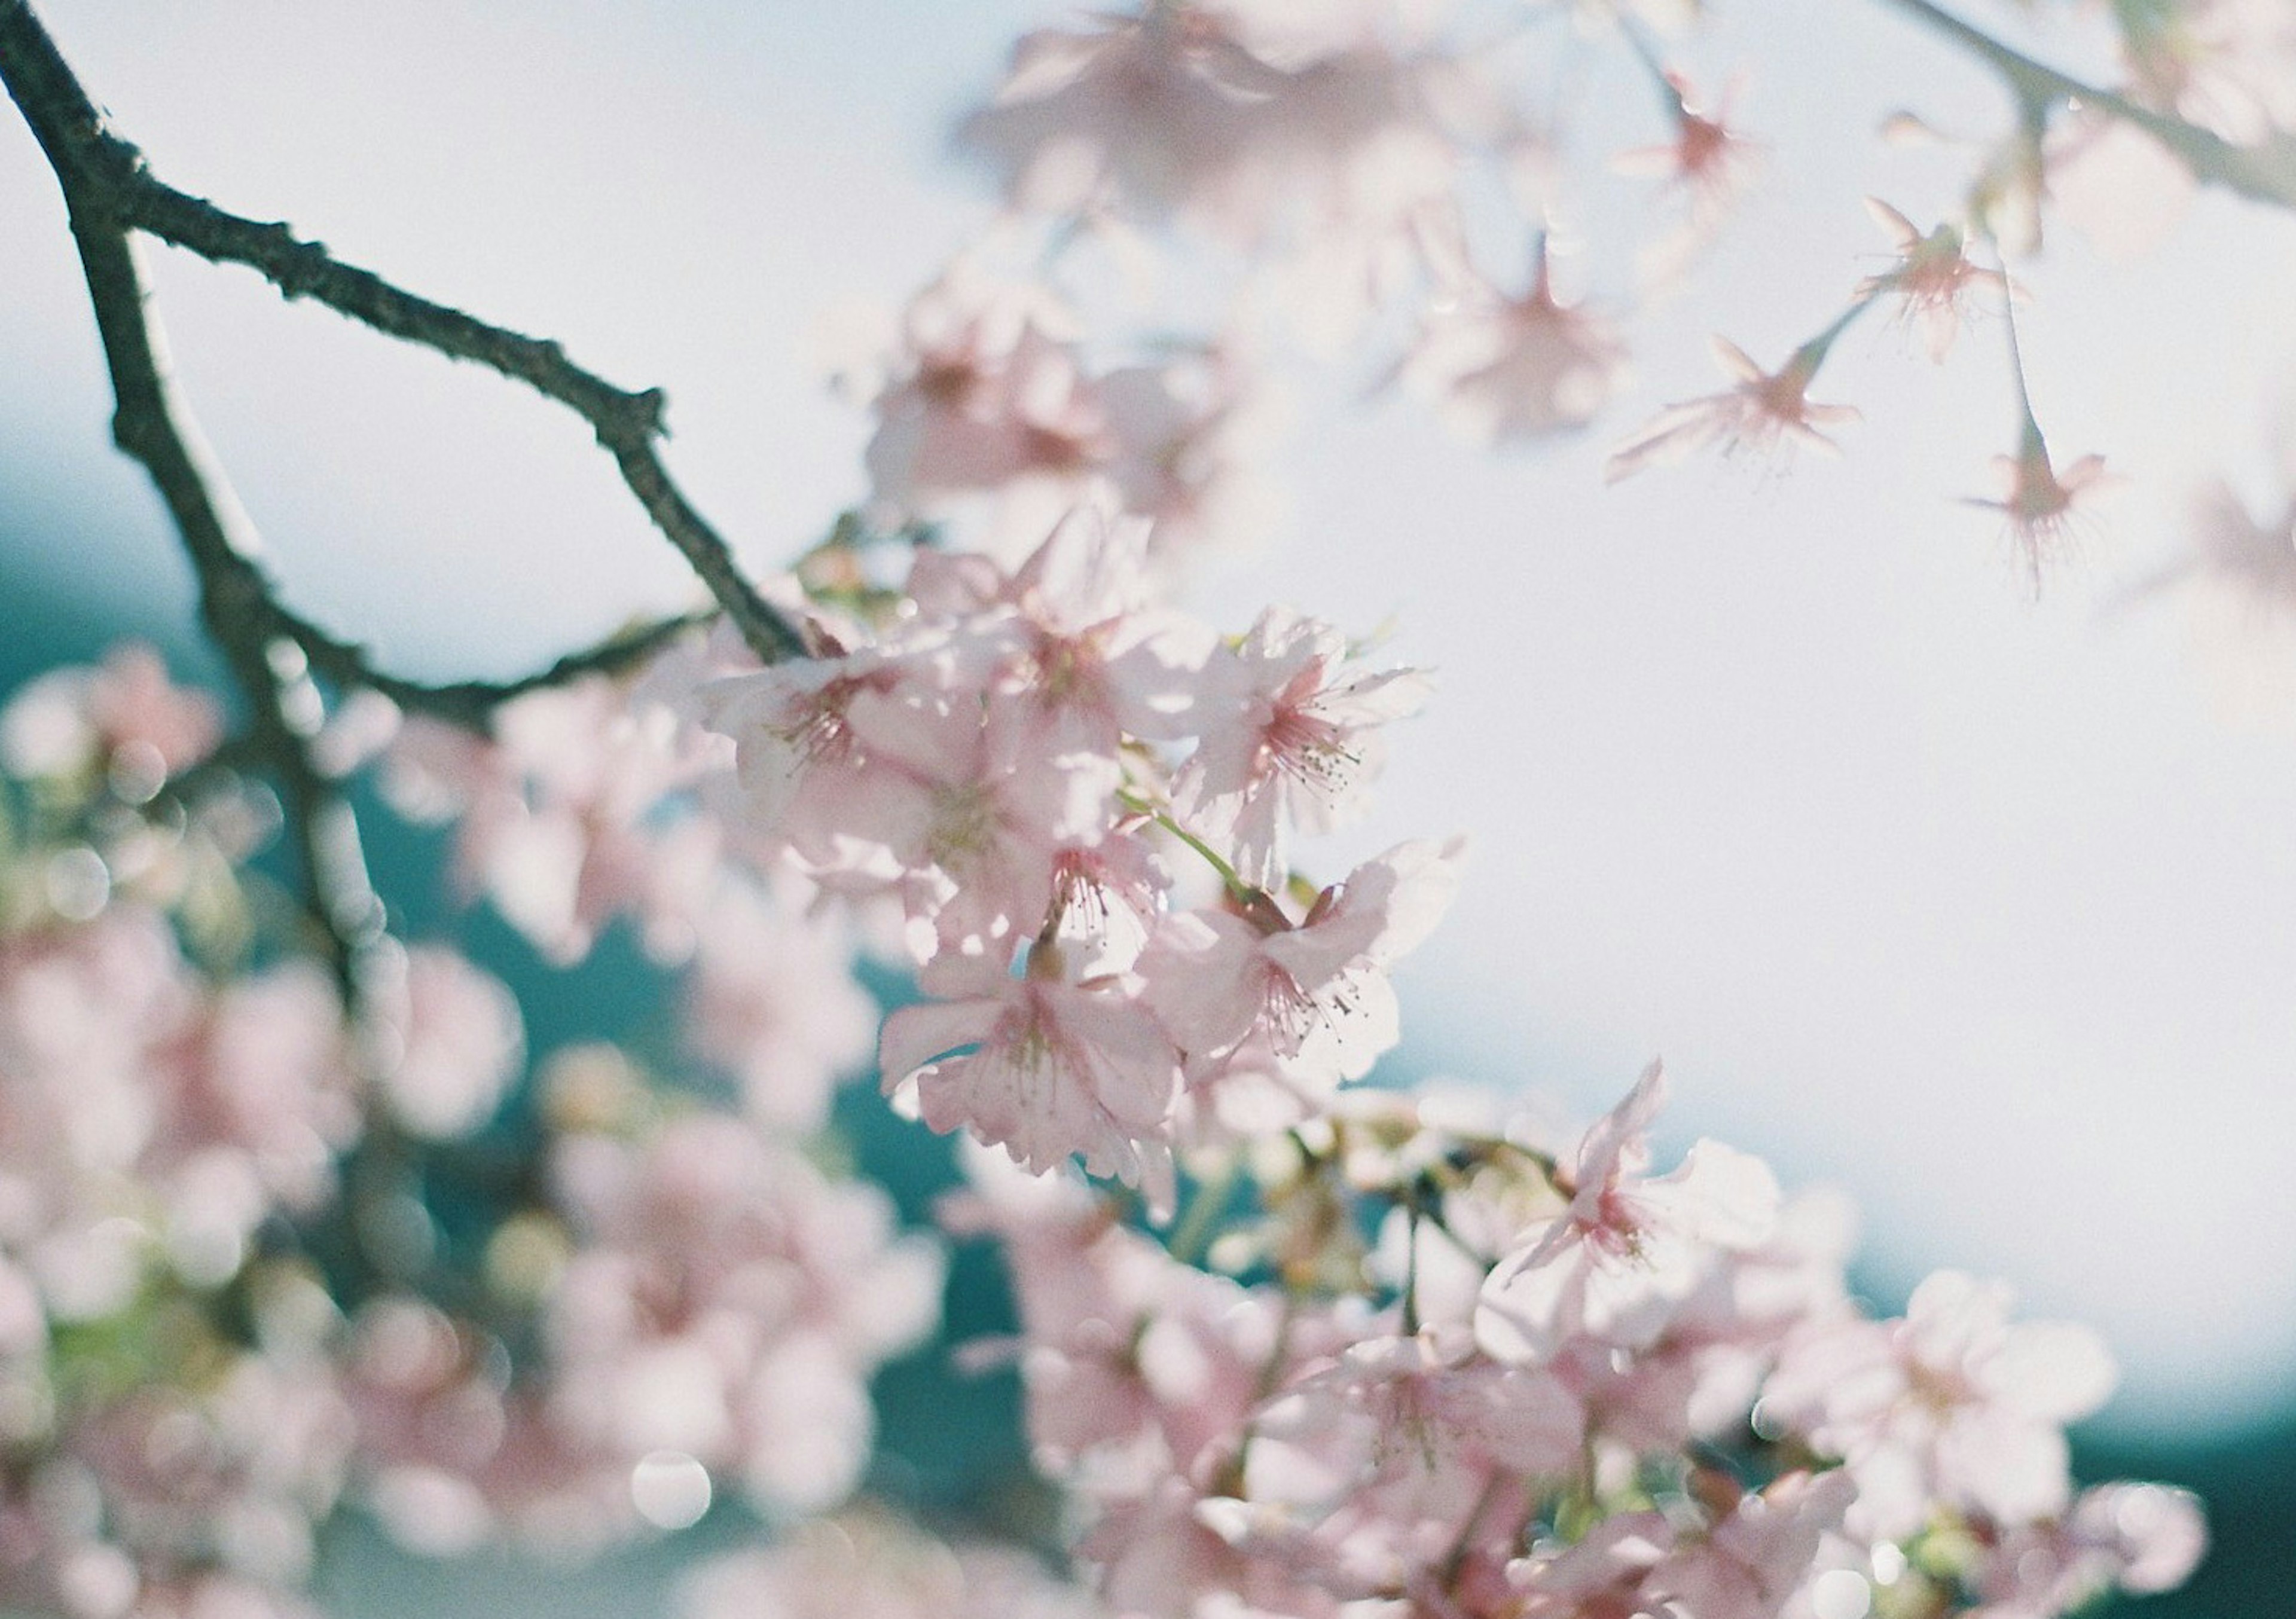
x: 164, y: 1500
x: 2136, y: 1538
x: 1220, y: 114
x: 988, y: 390
x: 1953, y: 1402
x: 1132, y: 1363
x: 2256, y: 559
x: 449, y: 1042
x: 1710, y: 163
x: 2229, y: 65
x: 988, y: 395
x: 1708, y: 157
x: 1931, y: 279
x: 1762, y: 414
x: 2105, y: 178
x: 1152, y: 109
x: 1188, y: 436
x: 255, y: 1092
x: 563, y: 817
x: 727, y: 1303
x: 868, y: 1564
x: 450, y: 1456
x: 146, y: 1112
x: 125, y: 716
x: 1512, y: 370
x: 2040, y: 504
x: 772, y: 1002
x: 2236, y: 579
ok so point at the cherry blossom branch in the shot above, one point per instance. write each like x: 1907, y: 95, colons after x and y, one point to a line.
x: 2262, y: 173
x: 1192, y: 1238
x: 109, y: 173
x: 1647, y: 52
x: 471, y: 703
x: 1241, y: 892
x: 2029, y: 425
x: 152, y: 425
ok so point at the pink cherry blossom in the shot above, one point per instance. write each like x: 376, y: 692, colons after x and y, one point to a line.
x: 802, y: 774
x: 1090, y: 660
x: 866, y: 1563
x: 1187, y: 435
x: 1629, y: 1247
x: 1702, y: 1372
x: 772, y: 1002
x: 1289, y: 739
x: 450, y: 1042
x: 2039, y: 502
x: 1152, y: 110
x: 124, y: 715
x: 1107, y: 897
x: 1316, y: 993
x: 1515, y: 370
x: 989, y: 389
x: 1041, y: 1065
x: 450, y: 1458
x: 205, y: 1497
x: 1433, y: 1423
x: 145, y: 1108
x: 1167, y: 1555
x: 728, y: 1305
x: 1709, y: 163
x: 974, y: 820
x: 1746, y: 1566
x: 1707, y: 156
x: 1931, y: 278
x: 934, y: 769
x: 1760, y: 415
x: 561, y: 818
x: 2225, y: 63
x: 253, y: 1094
x: 2256, y: 558
x: 2136, y: 1538
x: 1952, y: 1401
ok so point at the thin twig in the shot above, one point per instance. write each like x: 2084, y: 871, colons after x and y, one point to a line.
x: 2263, y: 173
x: 471, y: 703
x: 1647, y: 52
x: 105, y: 169
x: 151, y: 424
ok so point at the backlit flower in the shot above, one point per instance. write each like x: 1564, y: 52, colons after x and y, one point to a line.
x: 1930, y: 278
x: 2039, y: 502
x: 1763, y: 412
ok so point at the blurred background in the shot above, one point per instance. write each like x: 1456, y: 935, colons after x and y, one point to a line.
x: 1981, y: 908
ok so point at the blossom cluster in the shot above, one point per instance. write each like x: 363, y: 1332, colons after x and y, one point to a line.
x: 1000, y: 765
x: 1426, y: 1370
x: 1443, y: 1373
x: 1419, y: 1368
x: 1362, y: 175
x: 1388, y: 1364
x: 227, y: 1303
x: 1356, y: 176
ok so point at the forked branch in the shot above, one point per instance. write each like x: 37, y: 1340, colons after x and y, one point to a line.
x: 105, y: 176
